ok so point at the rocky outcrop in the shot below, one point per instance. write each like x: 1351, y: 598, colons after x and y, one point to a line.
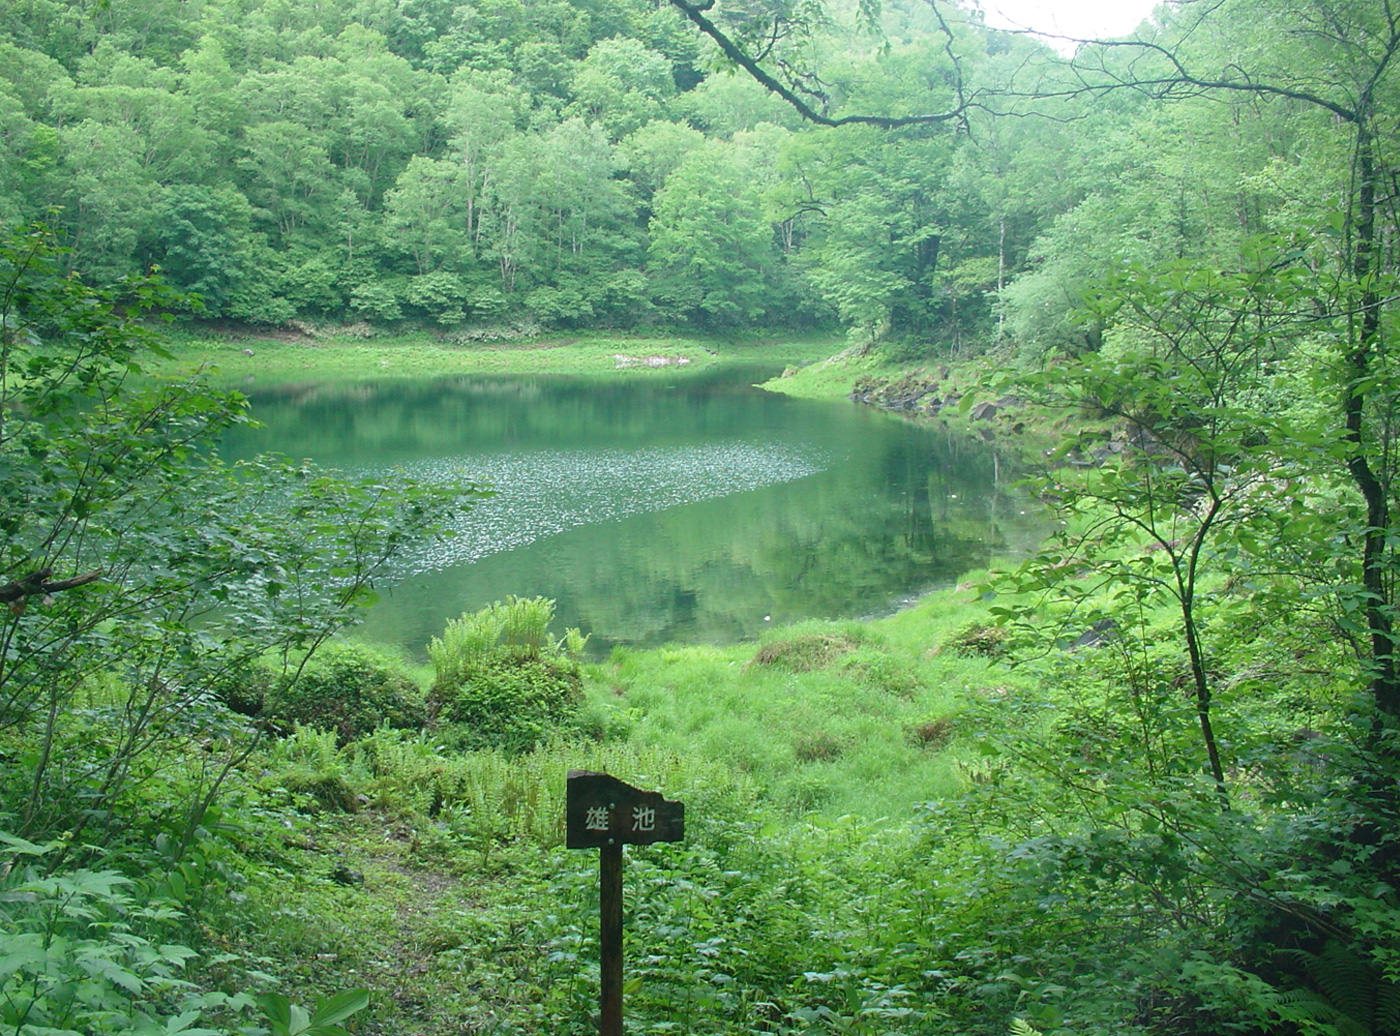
x: 929, y: 394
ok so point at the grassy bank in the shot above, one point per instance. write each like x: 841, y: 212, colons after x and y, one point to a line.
x: 809, y: 764
x: 832, y: 374
x: 283, y: 358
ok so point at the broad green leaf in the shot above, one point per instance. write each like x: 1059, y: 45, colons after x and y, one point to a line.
x: 341, y: 1006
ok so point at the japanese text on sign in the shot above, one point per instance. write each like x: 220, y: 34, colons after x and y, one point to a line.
x: 602, y: 810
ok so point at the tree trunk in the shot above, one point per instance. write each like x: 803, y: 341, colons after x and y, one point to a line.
x: 1385, y: 682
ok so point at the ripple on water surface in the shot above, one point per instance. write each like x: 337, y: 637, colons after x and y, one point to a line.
x: 541, y: 493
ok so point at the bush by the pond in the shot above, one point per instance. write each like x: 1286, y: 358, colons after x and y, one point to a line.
x: 508, y: 703
x: 349, y: 689
x: 501, y: 680
x: 244, y: 688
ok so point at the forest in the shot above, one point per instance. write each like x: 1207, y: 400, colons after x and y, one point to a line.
x: 1142, y: 780
x: 597, y: 164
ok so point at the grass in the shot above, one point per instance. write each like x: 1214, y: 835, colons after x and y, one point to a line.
x: 281, y: 359
x: 438, y: 879
x: 830, y: 375
x: 852, y: 791
x: 802, y: 760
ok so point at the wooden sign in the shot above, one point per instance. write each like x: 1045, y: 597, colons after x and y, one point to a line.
x: 601, y: 810
x: 604, y: 813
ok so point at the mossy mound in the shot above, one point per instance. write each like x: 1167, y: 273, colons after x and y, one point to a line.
x: 507, y: 702
x: 804, y: 653
x: 348, y: 689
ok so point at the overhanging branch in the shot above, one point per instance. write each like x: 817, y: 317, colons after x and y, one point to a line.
x: 38, y: 583
x: 695, y: 13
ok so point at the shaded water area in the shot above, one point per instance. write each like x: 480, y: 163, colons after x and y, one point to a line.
x: 664, y: 508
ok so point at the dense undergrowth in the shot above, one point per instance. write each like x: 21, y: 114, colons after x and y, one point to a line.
x: 890, y: 829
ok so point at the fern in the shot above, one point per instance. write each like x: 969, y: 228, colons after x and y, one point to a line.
x: 1387, y: 1016
x: 518, y: 628
x: 1362, y: 1000
x: 1306, y: 1005
x: 1021, y: 1027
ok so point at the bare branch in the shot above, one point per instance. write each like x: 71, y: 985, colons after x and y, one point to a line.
x: 38, y: 582
x: 695, y: 13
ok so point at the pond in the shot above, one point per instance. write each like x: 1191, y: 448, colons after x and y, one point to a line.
x: 660, y: 508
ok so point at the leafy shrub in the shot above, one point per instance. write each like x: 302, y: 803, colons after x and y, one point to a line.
x: 508, y: 703
x: 350, y: 689
x: 310, y: 767
x: 84, y: 952
x: 244, y: 688
x: 502, y: 681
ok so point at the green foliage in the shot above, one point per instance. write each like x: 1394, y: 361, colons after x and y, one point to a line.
x: 507, y: 702
x: 1078, y: 867
x: 709, y: 242
x: 140, y: 573
x: 349, y: 689
x: 1200, y: 468
x: 518, y: 628
x: 288, y: 1019
x: 311, y: 772
x: 84, y: 951
x: 501, y: 680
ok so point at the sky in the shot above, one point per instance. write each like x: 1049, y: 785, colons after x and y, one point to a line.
x: 1082, y: 18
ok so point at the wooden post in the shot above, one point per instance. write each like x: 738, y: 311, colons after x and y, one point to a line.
x: 604, y: 813
x: 610, y: 939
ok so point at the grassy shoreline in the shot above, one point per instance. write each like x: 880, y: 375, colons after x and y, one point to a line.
x: 280, y: 359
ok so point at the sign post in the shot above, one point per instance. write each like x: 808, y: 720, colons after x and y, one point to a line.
x: 602, y: 811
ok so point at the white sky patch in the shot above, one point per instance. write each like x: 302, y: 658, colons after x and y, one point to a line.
x: 1084, y: 19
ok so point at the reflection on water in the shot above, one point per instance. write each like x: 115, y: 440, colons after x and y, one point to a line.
x: 659, y: 509
x: 546, y: 492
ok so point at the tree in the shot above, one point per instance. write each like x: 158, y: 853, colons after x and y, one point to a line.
x: 1338, y: 62
x: 200, y: 235
x: 138, y: 572
x: 623, y: 85
x: 481, y: 113
x: 710, y: 245
x: 1201, y: 464
x: 425, y: 214
x: 290, y: 179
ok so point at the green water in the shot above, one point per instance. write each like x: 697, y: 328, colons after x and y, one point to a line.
x: 658, y: 509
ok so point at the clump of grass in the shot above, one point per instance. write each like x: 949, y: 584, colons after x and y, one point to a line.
x: 982, y: 640
x: 931, y: 734
x: 818, y: 746
x: 805, y: 652
x: 522, y: 796
x: 882, y: 671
